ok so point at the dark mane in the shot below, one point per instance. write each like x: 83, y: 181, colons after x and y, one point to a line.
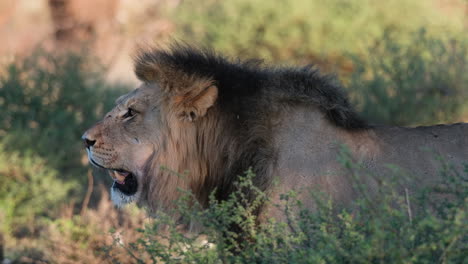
x: 243, y: 83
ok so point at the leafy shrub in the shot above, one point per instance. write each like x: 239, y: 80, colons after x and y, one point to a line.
x: 47, y: 102
x: 423, y: 81
x: 28, y: 190
x: 80, y: 238
x: 384, y: 230
x: 304, y: 30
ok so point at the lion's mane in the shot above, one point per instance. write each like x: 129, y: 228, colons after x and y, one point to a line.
x: 235, y: 134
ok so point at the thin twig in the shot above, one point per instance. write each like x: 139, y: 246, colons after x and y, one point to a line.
x: 1, y: 247
x: 84, y: 206
x: 408, y: 205
x: 289, y: 218
x: 443, y: 257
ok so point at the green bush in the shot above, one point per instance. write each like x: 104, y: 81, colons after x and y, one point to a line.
x: 382, y: 230
x: 29, y: 190
x: 304, y: 30
x: 47, y: 102
x: 420, y: 82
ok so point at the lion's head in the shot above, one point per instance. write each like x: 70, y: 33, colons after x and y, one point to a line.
x: 152, y: 127
x: 124, y: 141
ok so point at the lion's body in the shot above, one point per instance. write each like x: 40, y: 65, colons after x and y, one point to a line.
x: 201, y: 113
x: 309, y: 147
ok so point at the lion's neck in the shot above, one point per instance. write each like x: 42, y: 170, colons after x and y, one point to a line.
x: 191, y: 159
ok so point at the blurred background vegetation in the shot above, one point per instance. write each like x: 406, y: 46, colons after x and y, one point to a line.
x: 64, y: 62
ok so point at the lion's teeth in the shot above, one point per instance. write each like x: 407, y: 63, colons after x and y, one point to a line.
x: 120, y: 177
x: 120, y: 182
x: 123, y: 173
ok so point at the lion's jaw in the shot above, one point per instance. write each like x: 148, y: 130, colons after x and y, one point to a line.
x: 120, y: 198
x: 123, y: 143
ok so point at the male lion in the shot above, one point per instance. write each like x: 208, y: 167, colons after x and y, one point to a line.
x: 199, y: 112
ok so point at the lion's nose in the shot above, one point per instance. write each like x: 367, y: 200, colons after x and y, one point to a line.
x: 91, y: 135
x: 88, y: 142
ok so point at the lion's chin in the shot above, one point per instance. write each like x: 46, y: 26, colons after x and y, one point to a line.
x: 120, y: 198
x: 126, y: 182
x: 124, y: 190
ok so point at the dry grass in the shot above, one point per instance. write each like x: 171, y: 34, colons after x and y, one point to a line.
x: 74, y: 238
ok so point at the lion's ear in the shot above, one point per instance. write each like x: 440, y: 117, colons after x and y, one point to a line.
x: 194, y: 104
x: 191, y: 93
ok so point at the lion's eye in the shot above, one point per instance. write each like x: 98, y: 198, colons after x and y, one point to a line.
x: 130, y: 112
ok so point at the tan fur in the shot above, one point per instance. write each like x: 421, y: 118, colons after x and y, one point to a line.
x: 174, y: 144
x: 205, y: 136
x: 309, y: 147
x: 187, y: 168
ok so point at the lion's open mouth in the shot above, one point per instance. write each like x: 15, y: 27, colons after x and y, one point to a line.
x: 126, y: 182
